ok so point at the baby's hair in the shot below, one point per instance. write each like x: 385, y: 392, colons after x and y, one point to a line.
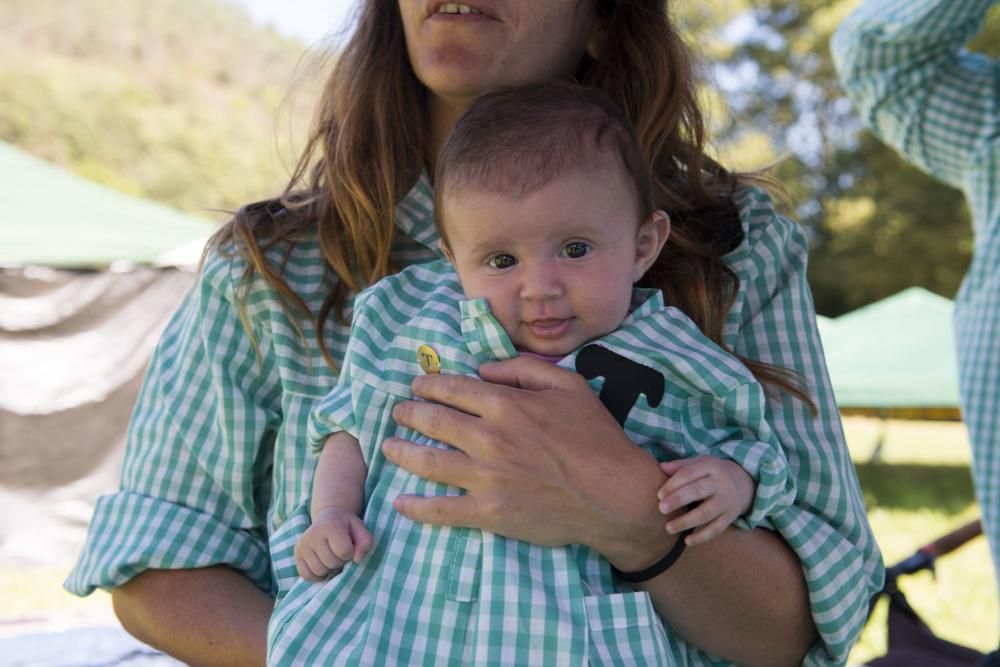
x: 516, y: 140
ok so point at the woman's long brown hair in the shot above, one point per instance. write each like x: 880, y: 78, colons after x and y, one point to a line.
x: 368, y: 146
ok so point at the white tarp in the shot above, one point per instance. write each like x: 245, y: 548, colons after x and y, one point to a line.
x: 73, y: 350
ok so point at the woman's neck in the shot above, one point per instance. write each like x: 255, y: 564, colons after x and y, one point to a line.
x: 442, y: 114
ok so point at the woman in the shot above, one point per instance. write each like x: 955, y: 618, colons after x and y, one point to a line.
x: 201, y: 536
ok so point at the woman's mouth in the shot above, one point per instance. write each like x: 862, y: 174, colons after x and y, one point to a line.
x: 456, y: 8
x: 459, y: 11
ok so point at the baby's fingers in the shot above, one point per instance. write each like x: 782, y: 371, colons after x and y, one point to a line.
x: 689, y: 473
x: 707, y: 532
x: 311, y: 567
x: 362, y: 540
x: 339, y: 548
x: 698, y: 515
x: 670, y: 468
x: 690, y: 493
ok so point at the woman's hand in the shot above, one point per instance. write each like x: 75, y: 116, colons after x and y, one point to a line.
x: 543, y: 461
x: 540, y: 458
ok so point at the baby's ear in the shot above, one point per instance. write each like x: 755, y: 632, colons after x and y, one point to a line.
x: 653, y: 232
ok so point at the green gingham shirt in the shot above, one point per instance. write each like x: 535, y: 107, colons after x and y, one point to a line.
x: 903, y: 64
x: 216, y: 461
x: 428, y: 595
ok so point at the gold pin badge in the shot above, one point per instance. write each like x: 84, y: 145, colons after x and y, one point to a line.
x: 428, y: 358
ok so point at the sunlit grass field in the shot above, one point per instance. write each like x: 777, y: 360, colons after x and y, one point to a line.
x: 919, y: 490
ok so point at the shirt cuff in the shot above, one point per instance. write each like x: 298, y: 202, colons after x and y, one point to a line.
x: 131, y: 533
x: 775, y: 490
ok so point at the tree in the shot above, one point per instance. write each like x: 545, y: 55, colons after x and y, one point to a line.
x: 876, y: 224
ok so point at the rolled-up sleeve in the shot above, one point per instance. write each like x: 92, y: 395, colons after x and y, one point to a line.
x: 195, y: 477
x: 756, y: 450
x: 333, y: 413
x: 732, y: 426
x: 902, y: 64
x: 827, y: 524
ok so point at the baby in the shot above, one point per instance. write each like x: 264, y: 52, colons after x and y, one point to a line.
x: 545, y: 215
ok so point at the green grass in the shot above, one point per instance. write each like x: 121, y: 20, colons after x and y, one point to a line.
x: 920, y: 489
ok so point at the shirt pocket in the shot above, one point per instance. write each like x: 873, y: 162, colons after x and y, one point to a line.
x: 626, y: 631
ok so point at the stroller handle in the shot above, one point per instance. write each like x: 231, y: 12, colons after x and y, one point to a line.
x: 954, y: 539
x: 923, y: 558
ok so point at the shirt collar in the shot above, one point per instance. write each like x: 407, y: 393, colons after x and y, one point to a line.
x: 645, y: 302
x: 415, y: 214
x: 485, y: 339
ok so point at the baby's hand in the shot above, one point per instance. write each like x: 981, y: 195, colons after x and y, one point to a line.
x: 722, y: 489
x: 335, y: 537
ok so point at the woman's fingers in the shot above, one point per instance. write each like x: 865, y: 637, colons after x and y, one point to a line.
x: 439, y: 510
x: 530, y: 373
x: 490, y: 396
x: 462, y: 392
x: 439, y: 465
x: 439, y: 421
x: 541, y: 460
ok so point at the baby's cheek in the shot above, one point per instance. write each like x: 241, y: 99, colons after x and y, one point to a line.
x: 509, y: 318
x: 606, y: 312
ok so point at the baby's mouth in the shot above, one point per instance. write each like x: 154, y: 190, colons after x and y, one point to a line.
x: 549, y: 327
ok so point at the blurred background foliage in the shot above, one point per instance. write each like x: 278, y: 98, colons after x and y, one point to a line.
x: 876, y: 224
x: 189, y: 103
x: 186, y: 102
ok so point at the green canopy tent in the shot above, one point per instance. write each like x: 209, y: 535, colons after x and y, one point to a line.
x: 88, y: 279
x: 51, y: 217
x: 897, y: 354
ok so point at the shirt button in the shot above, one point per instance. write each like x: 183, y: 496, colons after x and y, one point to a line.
x: 429, y: 360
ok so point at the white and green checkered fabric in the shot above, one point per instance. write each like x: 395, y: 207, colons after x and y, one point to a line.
x: 903, y: 64
x: 484, y: 336
x: 216, y: 462
x: 469, y: 597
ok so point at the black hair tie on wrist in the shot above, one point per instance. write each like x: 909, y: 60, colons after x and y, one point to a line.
x: 657, y: 568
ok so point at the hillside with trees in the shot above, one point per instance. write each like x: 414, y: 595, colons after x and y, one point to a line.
x: 186, y: 102
x: 189, y: 103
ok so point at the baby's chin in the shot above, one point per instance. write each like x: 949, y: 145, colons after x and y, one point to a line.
x: 557, y: 347
x: 554, y: 350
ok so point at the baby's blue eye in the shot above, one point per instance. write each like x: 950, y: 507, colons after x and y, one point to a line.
x: 502, y: 261
x: 576, y: 249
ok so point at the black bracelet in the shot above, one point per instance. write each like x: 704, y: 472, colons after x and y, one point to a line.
x: 657, y: 568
